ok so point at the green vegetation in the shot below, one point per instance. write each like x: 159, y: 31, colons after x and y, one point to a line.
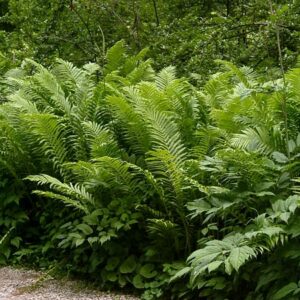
x: 117, y: 169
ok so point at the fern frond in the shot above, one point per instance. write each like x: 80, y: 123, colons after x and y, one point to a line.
x: 164, y: 134
x: 235, y: 71
x: 48, y: 83
x: 50, y: 137
x: 115, y: 57
x: 23, y: 104
x: 66, y: 73
x: 119, y: 174
x: 293, y: 78
x: 65, y: 199
x: 67, y: 191
x: 131, y: 124
x: 254, y: 139
x: 165, y: 77
x: 101, y: 141
x: 142, y: 72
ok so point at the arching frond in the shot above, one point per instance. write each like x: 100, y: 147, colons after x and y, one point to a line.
x: 47, y: 83
x: 258, y: 139
x: 71, y: 195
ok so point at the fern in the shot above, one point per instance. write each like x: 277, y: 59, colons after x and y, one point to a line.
x: 73, y: 195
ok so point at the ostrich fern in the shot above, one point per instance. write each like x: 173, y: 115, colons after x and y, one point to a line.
x: 153, y: 178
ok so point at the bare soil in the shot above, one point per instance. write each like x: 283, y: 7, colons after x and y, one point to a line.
x: 21, y: 284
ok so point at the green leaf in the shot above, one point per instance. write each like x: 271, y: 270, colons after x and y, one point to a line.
x: 16, y: 241
x: 214, y: 265
x: 128, y: 266
x: 285, y: 291
x: 285, y: 216
x: 138, y: 282
x: 112, y: 263
x: 148, y: 271
x: 280, y: 157
x: 292, y: 146
x: 181, y: 273
x: 86, y: 229
x: 239, y: 256
x: 228, y: 267
x: 111, y: 276
x: 79, y: 242
x: 93, y: 240
x: 104, y: 239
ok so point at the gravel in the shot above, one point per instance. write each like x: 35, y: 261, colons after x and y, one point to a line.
x: 21, y: 284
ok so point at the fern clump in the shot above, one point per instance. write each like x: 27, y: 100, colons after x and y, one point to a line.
x: 135, y: 178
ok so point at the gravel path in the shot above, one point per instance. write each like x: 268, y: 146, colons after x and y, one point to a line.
x: 20, y: 284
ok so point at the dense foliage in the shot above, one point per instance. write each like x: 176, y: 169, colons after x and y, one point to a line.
x: 190, y: 34
x: 116, y: 168
x: 151, y: 183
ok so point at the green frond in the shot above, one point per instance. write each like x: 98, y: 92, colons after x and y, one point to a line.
x: 142, y: 72
x: 163, y: 228
x: 293, y: 79
x: 15, y: 154
x: 130, y: 124
x: 164, y: 233
x: 119, y: 174
x: 101, y: 141
x: 207, y: 140
x: 132, y: 61
x: 68, y: 201
x: 49, y: 139
x: 108, y: 173
x: 91, y: 68
x: 217, y: 90
x: 255, y: 139
x: 235, y: 71
x: 115, y: 57
x: 46, y: 83
x: 75, y: 194
x: 147, y: 92
x: 77, y: 83
x: 69, y: 75
x: 24, y: 105
x: 164, y: 134
x: 168, y: 172
x: 165, y: 77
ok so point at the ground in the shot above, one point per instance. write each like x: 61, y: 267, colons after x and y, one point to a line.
x: 21, y: 284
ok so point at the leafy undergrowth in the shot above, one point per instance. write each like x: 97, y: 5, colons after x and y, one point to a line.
x: 135, y: 179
